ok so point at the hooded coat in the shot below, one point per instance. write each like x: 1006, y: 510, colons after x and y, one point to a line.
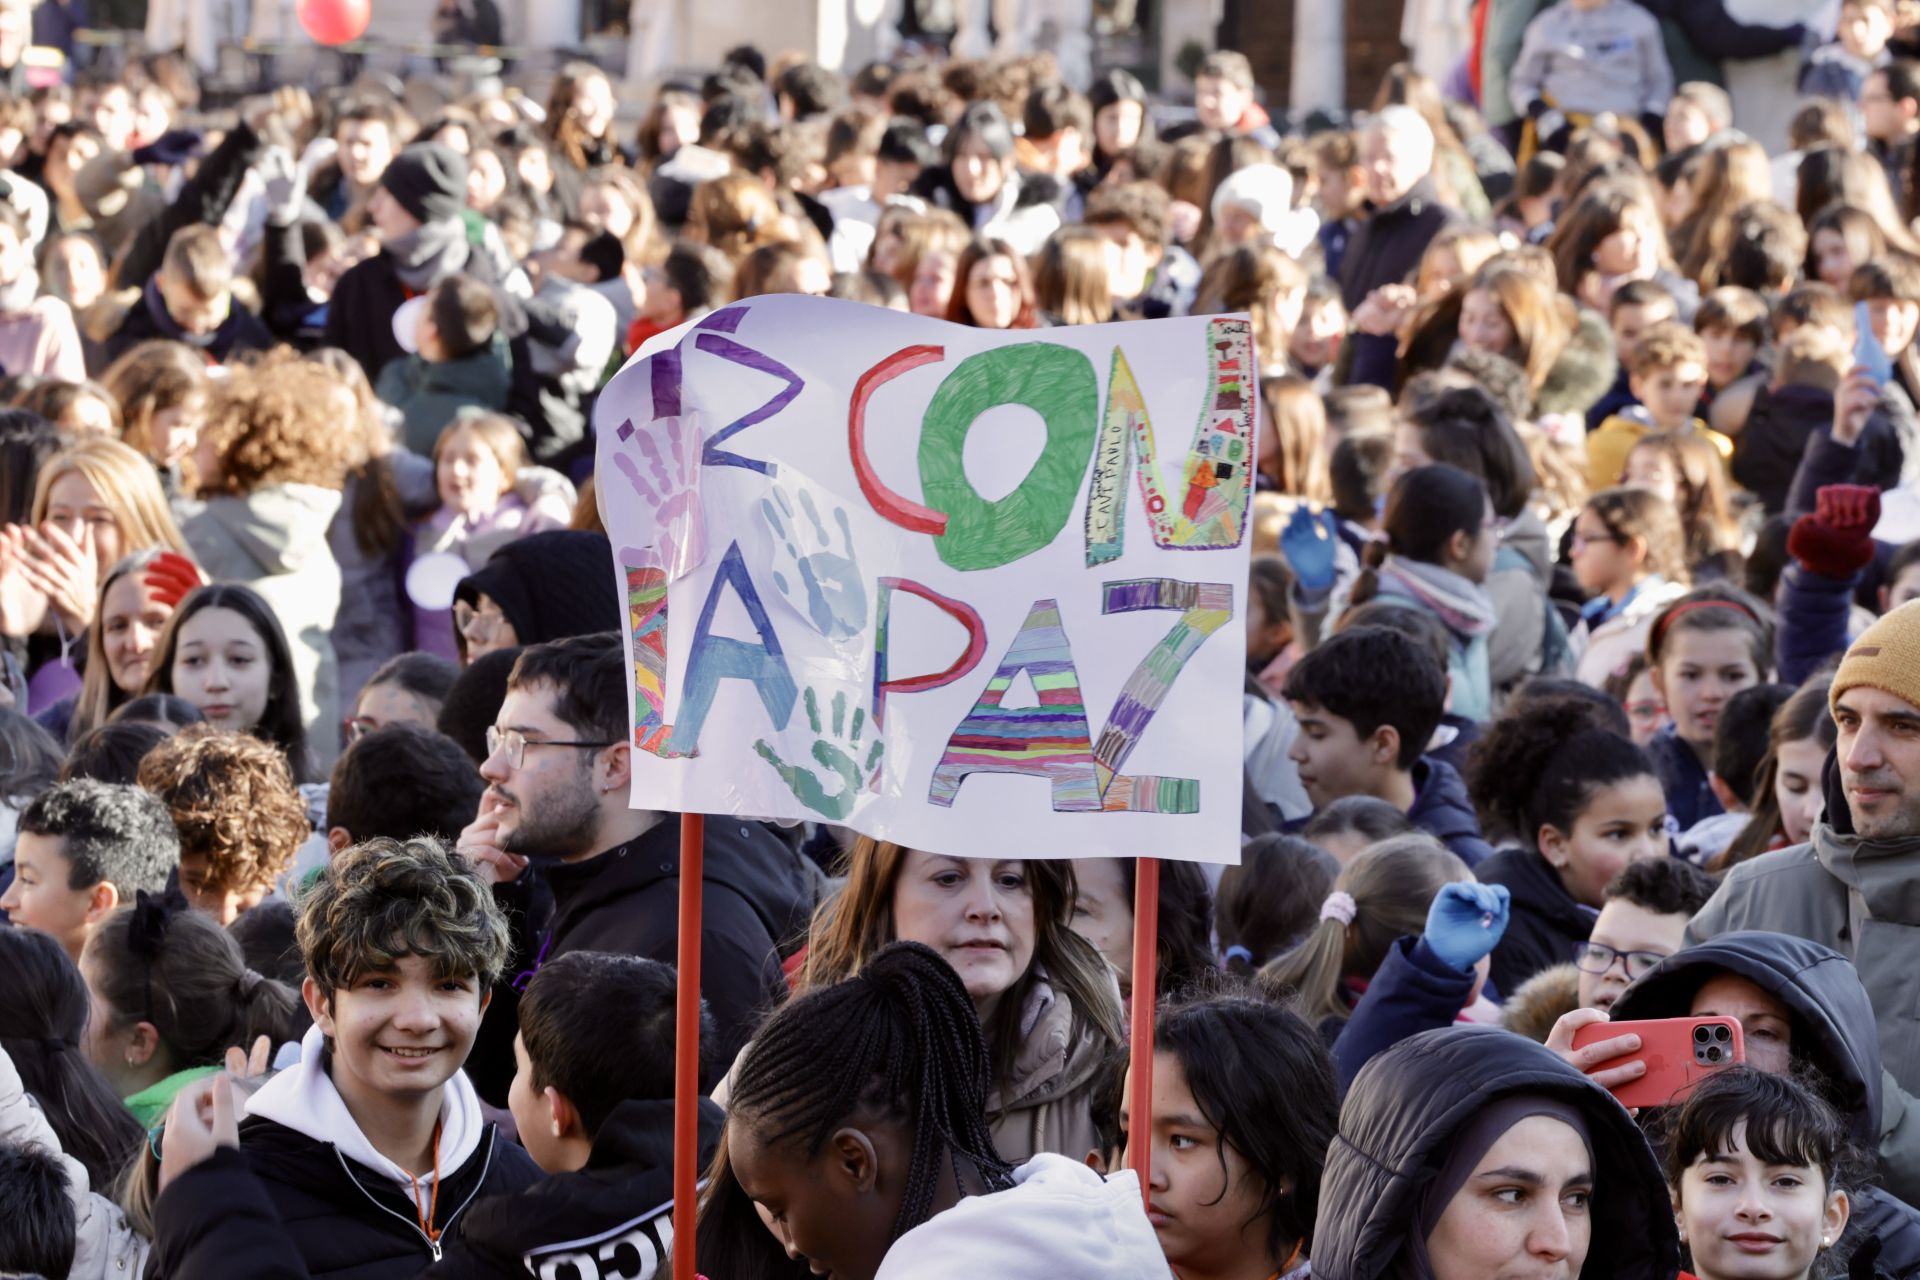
x: 1858, y: 895
x: 1442, y: 809
x: 1833, y: 1032
x: 550, y: 586
x: 275, y: 541
x: 1401, y: 1116
x: 1545, y: 922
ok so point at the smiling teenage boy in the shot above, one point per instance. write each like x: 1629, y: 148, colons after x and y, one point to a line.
x: 373, y: 1147
x: 1368, y: 701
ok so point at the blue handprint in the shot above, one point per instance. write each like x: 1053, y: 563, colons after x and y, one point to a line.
x: 822, y: 583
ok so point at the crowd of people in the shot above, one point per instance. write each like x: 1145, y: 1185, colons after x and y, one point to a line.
x: 1582, y: 683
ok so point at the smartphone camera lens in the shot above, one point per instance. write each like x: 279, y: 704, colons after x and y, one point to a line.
x: 1713, y: 1053
x: 1723, y: 1033
x: 1701, y: 1034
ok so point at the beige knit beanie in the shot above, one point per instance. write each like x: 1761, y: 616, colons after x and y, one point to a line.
x: 1885, y: 657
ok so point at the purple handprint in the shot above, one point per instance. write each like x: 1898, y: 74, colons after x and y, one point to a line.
x: 670, y: 492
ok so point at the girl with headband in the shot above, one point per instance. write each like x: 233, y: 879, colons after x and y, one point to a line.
x: 1702, y: 649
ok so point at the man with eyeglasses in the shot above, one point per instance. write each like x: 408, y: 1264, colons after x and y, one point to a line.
x: 579, y: 869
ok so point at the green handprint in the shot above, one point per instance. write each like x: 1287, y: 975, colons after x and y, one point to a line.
x: 808, y: 787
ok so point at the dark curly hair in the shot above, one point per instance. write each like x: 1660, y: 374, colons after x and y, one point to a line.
x: 120, y: 835
x: 382, y: 900
x: 275, y: 422
x: 233, y: 799
x: 1540, y: 764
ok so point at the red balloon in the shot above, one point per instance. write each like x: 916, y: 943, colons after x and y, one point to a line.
x: 335, y: 21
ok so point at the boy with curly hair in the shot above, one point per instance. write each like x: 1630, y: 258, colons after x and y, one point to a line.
x: 373, y: 1147
x: 241, y: 819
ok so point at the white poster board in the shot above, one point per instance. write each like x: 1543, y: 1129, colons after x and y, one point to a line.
x: 978, y: 592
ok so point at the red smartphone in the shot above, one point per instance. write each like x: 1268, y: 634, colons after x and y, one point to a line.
x: 1679, y: 1053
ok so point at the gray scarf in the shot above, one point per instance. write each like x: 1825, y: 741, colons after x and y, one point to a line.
x: 429, y: 254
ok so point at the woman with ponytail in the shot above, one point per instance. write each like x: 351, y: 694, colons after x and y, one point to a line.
x: 857, y: 1127
x: 1381, y: 895
x: 171, y: 994
x: 1581, y: 801
x: 1438, y: 548
x: 51, y: 1098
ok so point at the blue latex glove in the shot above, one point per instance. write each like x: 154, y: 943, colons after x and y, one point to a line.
x: 1465, y: 923
x: 1308, y: 543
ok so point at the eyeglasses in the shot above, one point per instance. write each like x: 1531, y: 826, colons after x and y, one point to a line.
x: 1588, y: 539
x: 1598, y: 957
x: 470, y: 622
x: 515, y: 744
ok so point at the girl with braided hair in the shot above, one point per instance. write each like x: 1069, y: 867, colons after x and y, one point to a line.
x: 858, y: 1128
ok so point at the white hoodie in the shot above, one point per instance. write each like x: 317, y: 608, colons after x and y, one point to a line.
x: 1059, y: 1219
x: 303, y: 1099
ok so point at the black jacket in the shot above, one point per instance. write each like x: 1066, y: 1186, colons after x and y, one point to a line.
x: 612, y: 1218
x: 1442, y: 810
x: 147, y: 318
x: 1399, y: 1120
x: 338, y: 1219
x: 360, y: 313
x: 1834, y: 1033
x: 1544, y: 924
x: 1388, y: 245
x: 758, y: 894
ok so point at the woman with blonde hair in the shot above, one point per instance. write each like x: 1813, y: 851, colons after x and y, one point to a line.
x: 1508, y: 311
x: 1269, y: 286
x: 94, y: 502
x: 1294, y: 451
x: 1046, y: 997
x: 1732, y: 176
x: 736, y: 214
x: 1070, y: 277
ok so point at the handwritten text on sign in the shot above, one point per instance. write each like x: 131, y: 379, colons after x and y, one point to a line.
x: 947, y: 586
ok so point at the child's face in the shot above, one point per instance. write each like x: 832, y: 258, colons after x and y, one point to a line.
x: 1129, y: 259
x: 1698, y: 672
x: 1116, y: 126
x: 131, y: 620
x: 1103, y: 914
x: 194, y: 312
x: 1893, y: 322
x: 1338, y: 192
x: 221, y: 666
x: 1670, y: 394
x: 1652, y: 469
x: 470, y: 477
x: 1629, y: 248
x: 223, y: 902
x: 932, y: 285
x: 1622, y: 823
x: 1686, y: 125
x: 531, y: 1115
x: 1602, y: 562
x: 1265, y: 636
x: 76, y: 508
x: 79, y: 262
x: 1796, y: 786
x: 173, y: 431
x: 1729, y: 355
x: 1832, y: 260
x: 1333, y: 759
x: 1743, y: 1217
x: 1904, y: 588
x: 39, y: 897
x: 1204, y: 1198
x: 398, y: 1034
x: 1625, y: 927
x: 1484, y: 325
x: 1646, y: 712
x: 1864, y: 30
x: 1316, y: 339
x: 1631, y: 321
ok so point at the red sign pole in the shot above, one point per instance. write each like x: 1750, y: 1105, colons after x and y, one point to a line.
x: 1146, y: 963
x: 686, y: 1044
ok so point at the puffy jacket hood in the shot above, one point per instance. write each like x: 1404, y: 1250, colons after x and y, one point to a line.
x: 1584, y: 372
x: 1400, y: 1118
x: 1442, y: 809
x: 1834, y: 1027
x: 283, y: 527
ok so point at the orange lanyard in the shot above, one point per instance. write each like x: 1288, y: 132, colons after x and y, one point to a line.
x: 425, y: 1218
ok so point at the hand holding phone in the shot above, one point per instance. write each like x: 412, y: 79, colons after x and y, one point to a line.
x: 1678, y: 1054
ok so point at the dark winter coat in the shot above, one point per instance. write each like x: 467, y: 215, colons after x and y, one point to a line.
x: 550, y: 585
x: 147, y: 319
x: 1835, y: 1035
x: 1412, y: 991
x: 1684, y: 780
x: 1544, y: 924
x: 1399, y: 1120
x: 1442, y: 810
x: 1388, y: 245
x: 338, y: 1219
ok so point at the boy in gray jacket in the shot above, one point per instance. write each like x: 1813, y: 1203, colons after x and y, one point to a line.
x: 1588, y: 56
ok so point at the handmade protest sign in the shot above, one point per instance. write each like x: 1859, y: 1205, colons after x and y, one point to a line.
x: 962, y: 589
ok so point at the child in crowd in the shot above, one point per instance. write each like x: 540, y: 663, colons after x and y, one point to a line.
x: 1797, y: 405
x: 1732, y: 323
x: 1631, y: 686
x: 1636, y: 307
x: 1151, y: 276
x: 84, y: 849
x: 1788, y: 795
x: 1667, y: 372
x: 1739, y: 748
x: 689, y: 282
x: 1628, y: 557
x: 1368, y: 701
x: 1243, y: 1111
x: 1584, y: 57
x: 489, y: 497
x: 1686, y: 471
x: 453, y: 363
x: 1839, y: 69
x: 1703, y: 648
x: 1266, y: 904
